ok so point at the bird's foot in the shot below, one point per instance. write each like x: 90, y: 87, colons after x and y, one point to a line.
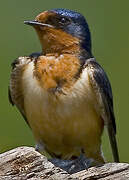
x: 73, y: 166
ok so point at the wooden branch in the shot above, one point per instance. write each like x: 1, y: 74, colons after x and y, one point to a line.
x: 24, y: 163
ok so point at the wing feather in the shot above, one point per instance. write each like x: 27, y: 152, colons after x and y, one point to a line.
x: 103, y: 92
x: 15, y: 91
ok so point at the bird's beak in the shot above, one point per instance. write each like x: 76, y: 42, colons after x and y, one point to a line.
x: 36, y: 23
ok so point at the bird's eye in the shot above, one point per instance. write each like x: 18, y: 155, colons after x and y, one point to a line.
x: 64, y: 20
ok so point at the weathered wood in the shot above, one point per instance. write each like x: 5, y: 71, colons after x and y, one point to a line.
x: 109, y: 171
x: 25, y: 163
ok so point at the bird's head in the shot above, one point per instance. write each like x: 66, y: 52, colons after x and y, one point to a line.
x: 62, y: 31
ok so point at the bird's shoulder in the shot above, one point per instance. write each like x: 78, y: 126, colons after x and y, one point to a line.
x: 18, y: 66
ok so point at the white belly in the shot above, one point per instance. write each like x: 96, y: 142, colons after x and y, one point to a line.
x: 69, y: 120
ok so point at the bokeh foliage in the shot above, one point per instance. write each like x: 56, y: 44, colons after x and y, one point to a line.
x: 109, y: 25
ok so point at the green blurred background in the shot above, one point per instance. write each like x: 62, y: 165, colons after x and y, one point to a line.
x: 109, y: 25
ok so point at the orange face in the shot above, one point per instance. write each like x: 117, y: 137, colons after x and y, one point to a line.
x: 53, y: 39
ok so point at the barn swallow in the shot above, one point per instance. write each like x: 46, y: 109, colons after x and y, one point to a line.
x: 63, y: 93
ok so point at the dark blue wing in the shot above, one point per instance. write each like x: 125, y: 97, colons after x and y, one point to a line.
x: 103, y: 91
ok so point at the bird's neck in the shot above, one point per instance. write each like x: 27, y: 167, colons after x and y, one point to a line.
x: 56, y: 47
x: 58, y: 41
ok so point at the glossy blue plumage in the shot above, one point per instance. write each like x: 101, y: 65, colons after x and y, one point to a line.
x: 78, y: 26
x: 69, y: 13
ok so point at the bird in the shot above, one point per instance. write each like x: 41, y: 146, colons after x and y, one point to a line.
x: 63, y: 93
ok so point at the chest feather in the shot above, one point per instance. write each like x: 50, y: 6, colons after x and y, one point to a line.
x: 56, y: 72
x: 58, y: 120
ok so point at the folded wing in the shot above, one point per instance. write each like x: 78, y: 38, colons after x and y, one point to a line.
x: 103, y: 92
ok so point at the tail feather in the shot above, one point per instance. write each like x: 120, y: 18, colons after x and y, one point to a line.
x: 113, y: 142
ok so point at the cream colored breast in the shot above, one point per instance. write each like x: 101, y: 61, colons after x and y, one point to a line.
x: 59, y: 121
